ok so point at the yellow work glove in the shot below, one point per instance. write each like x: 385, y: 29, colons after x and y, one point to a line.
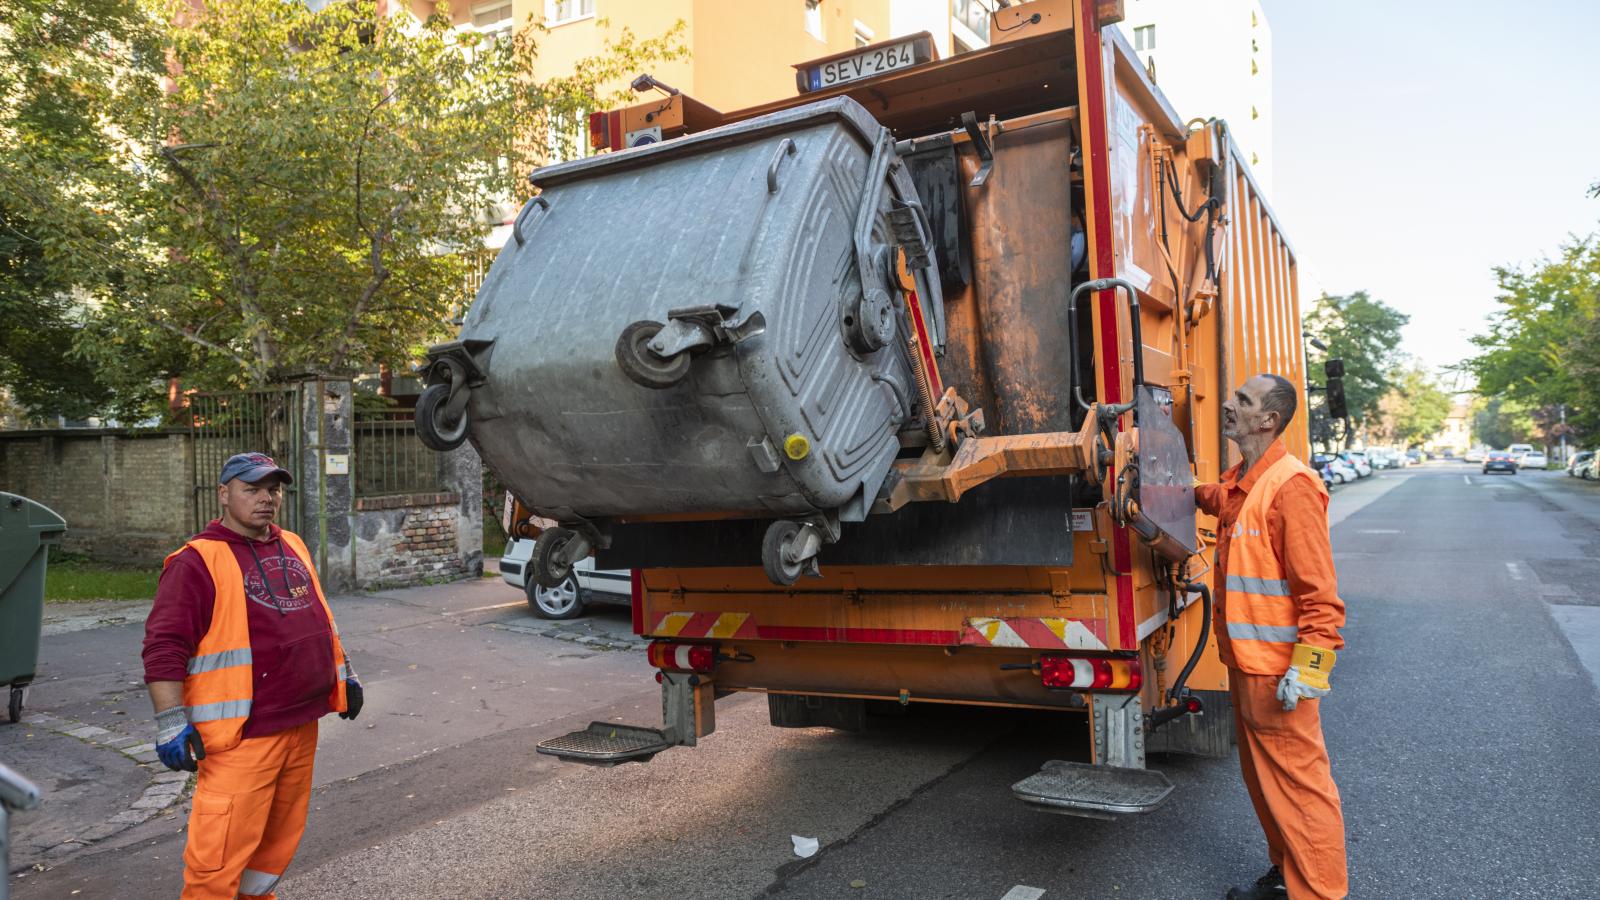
x: 1307, y: 677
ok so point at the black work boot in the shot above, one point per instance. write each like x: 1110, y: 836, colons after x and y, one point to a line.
x: 1268, y: 887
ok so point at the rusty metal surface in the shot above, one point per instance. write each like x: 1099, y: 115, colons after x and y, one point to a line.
x: 1022, y: 232
x: 1166, y: 489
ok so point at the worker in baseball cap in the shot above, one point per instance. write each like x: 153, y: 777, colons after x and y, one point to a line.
x: 241, y: 658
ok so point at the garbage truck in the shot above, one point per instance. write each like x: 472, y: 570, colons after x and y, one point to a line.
x: 893, y: 392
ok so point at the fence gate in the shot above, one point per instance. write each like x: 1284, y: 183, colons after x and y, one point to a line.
x: 223, y: 423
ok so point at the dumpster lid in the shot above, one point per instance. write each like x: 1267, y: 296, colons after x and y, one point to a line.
x: 20, y: 512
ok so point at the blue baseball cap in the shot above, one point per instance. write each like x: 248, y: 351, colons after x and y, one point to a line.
x: 252, y: 467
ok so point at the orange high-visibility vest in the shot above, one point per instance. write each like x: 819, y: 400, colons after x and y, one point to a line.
x: 220, y: 686
x: 1262, y: 620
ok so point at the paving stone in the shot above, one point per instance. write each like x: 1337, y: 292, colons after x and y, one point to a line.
x: 166, y: 775
x: 132, y: 816
x: 88, y: 731
x: 66, y: 848
x: 146, y: 756
x: 164, y: 787
x: 122, y: 742
x: 154, y: 801
x: 102, y: 831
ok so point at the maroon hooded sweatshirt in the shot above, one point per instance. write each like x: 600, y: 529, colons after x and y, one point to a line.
x: 290, y: 645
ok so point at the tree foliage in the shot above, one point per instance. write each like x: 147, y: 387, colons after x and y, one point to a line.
x: 1542, y: 347
x: 75, y: 89
x: 309, y: 191
x: 1416, y: 408
x: 1365, y: 333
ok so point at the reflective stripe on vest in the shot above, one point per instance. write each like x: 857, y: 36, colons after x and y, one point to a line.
x: 220, y: 687
x: 1261, y: 617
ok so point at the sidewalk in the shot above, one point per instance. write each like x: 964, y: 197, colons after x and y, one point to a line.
x: 442, y: 665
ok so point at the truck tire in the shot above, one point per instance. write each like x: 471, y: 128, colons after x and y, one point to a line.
x: 1209, y: 734
x: 794, y: 711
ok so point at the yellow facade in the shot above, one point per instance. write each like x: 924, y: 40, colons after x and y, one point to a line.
x: 741, y: 52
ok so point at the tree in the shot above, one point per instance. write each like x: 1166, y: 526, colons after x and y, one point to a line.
x: 313, y: 186
x: 1499, y: 422
x: 1415, y: 409
x: 78, y: 86
x: 1365, y: 333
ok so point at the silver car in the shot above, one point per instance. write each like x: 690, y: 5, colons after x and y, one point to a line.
x: 565, y: 600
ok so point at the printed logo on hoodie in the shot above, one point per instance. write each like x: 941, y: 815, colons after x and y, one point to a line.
x: 288, y: 585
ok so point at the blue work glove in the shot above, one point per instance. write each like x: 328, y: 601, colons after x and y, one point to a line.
x: 177, y: 743
x: 352, y: 698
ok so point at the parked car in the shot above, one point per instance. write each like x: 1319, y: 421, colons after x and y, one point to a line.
x: 566, y: 600
x: 1516, y: 450
x: 1477, y: 453
x: 1499, y: 461
x: 1590, y: 470
x: 1578, y: 461
x: 1339, y: 471
x: 1357, y: 462
x: 1385, y: 458
x: 1416, y: 455
x: 1533, y: 459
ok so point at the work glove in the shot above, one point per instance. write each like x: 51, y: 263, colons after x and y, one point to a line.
x: 1307, y: 677
x: 352, y: 698
x: 177, y: 743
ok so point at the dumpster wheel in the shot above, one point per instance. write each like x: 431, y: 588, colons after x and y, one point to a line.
x: 642, y: 366
x: 14, y: 707
x: 431, y: 414
x: 551, y: 565
x: 778, y: 551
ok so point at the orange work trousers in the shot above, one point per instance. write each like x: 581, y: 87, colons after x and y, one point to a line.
x: 249, y: 813
x: 1285, y: 766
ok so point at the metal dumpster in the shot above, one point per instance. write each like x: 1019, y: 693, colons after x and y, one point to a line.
x: 27, y: 529
x: 712, y: 325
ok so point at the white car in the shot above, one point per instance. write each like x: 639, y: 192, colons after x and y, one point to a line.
x: 1533, y: 459
x: 565, y: 600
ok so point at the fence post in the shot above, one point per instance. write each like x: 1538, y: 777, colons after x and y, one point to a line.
x: 326, y: 492
x: 461, y: 470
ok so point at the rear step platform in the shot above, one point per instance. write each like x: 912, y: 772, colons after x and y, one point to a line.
x: 1097, y: 792
x: 607, y: 744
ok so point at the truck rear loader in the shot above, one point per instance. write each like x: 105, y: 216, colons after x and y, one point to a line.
x: 893, y: 391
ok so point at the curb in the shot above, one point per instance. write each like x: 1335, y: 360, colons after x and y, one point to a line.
x: 588, y: 640
x: 166, y: 788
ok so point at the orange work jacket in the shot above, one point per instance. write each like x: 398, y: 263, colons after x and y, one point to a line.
x: 1261, y: 617
x: 220, y: 686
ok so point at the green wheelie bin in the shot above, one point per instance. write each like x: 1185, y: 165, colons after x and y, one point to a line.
x: 27, y: 529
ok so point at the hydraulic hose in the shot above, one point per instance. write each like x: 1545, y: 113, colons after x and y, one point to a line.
x: 1181, y: 703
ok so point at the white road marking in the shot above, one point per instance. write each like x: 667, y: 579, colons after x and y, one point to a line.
x: 1023, y: 892
x: 1381, y: 531
x: 1515, y: 570
x: 1467, y: 478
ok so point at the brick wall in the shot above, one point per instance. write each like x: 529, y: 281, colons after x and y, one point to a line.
x: 410, y: 538
x: 126, y: 496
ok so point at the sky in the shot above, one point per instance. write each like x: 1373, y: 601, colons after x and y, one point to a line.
x: 1420, y: 144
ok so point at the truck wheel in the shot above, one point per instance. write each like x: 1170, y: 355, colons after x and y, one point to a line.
x: 641, y: 365
x: 550, y: 565
x: 434, y: 432
x: 775, y: 552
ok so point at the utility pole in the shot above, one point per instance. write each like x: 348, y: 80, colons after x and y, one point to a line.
x: 1563, y: 433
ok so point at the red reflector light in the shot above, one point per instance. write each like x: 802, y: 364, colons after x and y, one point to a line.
x: 599, y: 133
x: 701, y: 658
x: 1064, y: 672
x: 1192, y: 704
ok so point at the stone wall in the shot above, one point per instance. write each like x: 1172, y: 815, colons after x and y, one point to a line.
x: 411, y: 538
x: 127, y: 496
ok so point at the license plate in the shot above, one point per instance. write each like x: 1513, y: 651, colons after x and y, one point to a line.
x: 866, y: 64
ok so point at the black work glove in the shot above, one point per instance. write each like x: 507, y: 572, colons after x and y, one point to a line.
x: 352, y: 698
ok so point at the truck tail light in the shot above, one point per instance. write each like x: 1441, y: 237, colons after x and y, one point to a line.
x: 699, y: 658
x: 1066, y: 672
x: 605, y: 130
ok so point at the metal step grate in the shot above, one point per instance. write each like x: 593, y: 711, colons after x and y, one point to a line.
x: 1101, y: 792
x: 607, y: 743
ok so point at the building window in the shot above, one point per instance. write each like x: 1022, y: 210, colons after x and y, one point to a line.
x: 814, y: 19
x: 864, y: 35
x: 558, y: 11
x: 568, y: 137
x: 492, y: 16
x: 1144, y: 37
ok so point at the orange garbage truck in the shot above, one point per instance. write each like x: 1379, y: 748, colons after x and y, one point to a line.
x: 893, y: 391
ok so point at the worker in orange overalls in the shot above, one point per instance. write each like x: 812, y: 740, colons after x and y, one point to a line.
x: 242, y: 658
x: 1277, y: 627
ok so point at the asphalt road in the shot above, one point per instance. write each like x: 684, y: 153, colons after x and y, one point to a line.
x: 1462, y: 727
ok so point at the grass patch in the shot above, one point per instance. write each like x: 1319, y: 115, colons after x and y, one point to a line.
x: 494, y: 538
x: 73, y: 579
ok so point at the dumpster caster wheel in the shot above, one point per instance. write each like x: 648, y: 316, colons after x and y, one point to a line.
x: 789, y: 550
x: 553, y: 556
x: 432, y: 418
x: 14, y: 708
x: 642, y: 366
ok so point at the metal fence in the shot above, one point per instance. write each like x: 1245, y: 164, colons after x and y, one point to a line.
x: 389, y: 459
x: 227, y: 422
